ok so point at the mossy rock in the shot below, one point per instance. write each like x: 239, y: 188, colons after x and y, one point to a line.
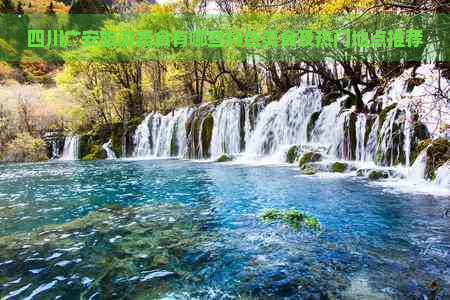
x: 438, y: 153
x: 311, y: 124
x: 206, y: 134
x: 308, y: 170
x: 309, y: 157
x: 223, y: 158
x: 292, y: 154
x: 361, y: 172
x: 339, y: 167
x: 96, y: 153
x: 378, y: 174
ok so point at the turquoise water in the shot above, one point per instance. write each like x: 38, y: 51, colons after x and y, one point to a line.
x: 181, y: 230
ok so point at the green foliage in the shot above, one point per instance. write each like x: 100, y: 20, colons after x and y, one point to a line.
x: 339, y: 167
x: 96, y: 152
x: 295, y: 218
x: 25, y: 148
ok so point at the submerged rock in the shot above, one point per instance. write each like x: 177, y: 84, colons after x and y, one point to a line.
x: 438, y: 153
x: 309, y: 157
x: 339, y: 167
x: 224, y: 158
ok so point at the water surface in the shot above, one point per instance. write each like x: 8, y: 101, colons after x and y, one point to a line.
x: 180, y: 230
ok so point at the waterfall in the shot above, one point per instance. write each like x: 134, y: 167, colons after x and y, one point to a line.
x: 386, y: 145
x: 417, y: 170
x: 109, y: 152
x: 372, y: 141
x: 229, y: 128
x: 162, y: 136
x: 55, y: 150
x: 360, y: 126
x: 325, y: 131
x: 284, y: 122
x: 342, y: 144
x: 407, y: 134
x: 71, y: 148
x: 443, y: 175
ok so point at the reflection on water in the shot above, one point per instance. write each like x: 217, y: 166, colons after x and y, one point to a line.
x: 180, y: 230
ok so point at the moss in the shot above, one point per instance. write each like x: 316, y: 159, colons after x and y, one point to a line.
x: 292, y: 154
x: 438, y: 153
x: 339, y: 167
x: 383, y: 114
x: 208, y: 124
x: 116, y: 138
x: 312, y: 223
x: 96, y: 153
x: 309, y: 157
x: 271, y: 214
x: 377, y: 174
x: 295, y: 218
x: 311, y: 124
x: 223, y: 158
x: 360, y: 172
x: 308, y: 170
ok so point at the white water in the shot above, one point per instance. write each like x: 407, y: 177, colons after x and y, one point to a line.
x: 162, y: 136
x: 284, y: 122
x: 417, y: 170
x: 226, y: 135
x: 71, y: 148
x: 326, y: 130
x: 360, y: 151
x: 109, y: 152
x: 281, y: 124
x: 443, y: 175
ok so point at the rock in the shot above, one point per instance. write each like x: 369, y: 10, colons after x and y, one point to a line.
x: 223, y: 158
x: 309, y: 157
x: 378, y: 174
x: 438, y: 153
x: 293, y: 154
x: 339, y: 167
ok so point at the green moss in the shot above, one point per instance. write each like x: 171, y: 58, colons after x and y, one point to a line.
x: 360, y: 172
x: 339, y: 167
x: 377, y: 174
x: 308, y: 170
x: 295, y: 218
x: 311, y: 124
x: 96, y: 153
x: 292, y: 154
x: 312, y: 223
x: 223, y: 158
x: 438, y: 153
x: 271, y: 214
x: 383, y: 114
x: 309, y: 157
x: 208, y: 124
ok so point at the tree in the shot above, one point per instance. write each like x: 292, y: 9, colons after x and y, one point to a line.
x: 6, y: 7
x: 50, y: 10
x: 19, y: 9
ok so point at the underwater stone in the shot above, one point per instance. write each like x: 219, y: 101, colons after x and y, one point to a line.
x: 309, y: 157
x: 339, y: 167
x: 378, y: 174
x: 223, y: 158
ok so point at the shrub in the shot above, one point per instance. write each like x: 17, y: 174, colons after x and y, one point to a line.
x: 25, y: 148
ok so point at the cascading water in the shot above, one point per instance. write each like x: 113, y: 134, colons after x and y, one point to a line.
x: 146, y: 135
x: 407, y: 134
x: 71, y: 148
x: 417, y: 170
x: 325, y: 130
x: 360, y: 152
x: 109, y: 152
x: 284, y: 122
x: 229, y: 128
x: 162, y: 136
x: 443, y: 175
x: 372, y: 141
